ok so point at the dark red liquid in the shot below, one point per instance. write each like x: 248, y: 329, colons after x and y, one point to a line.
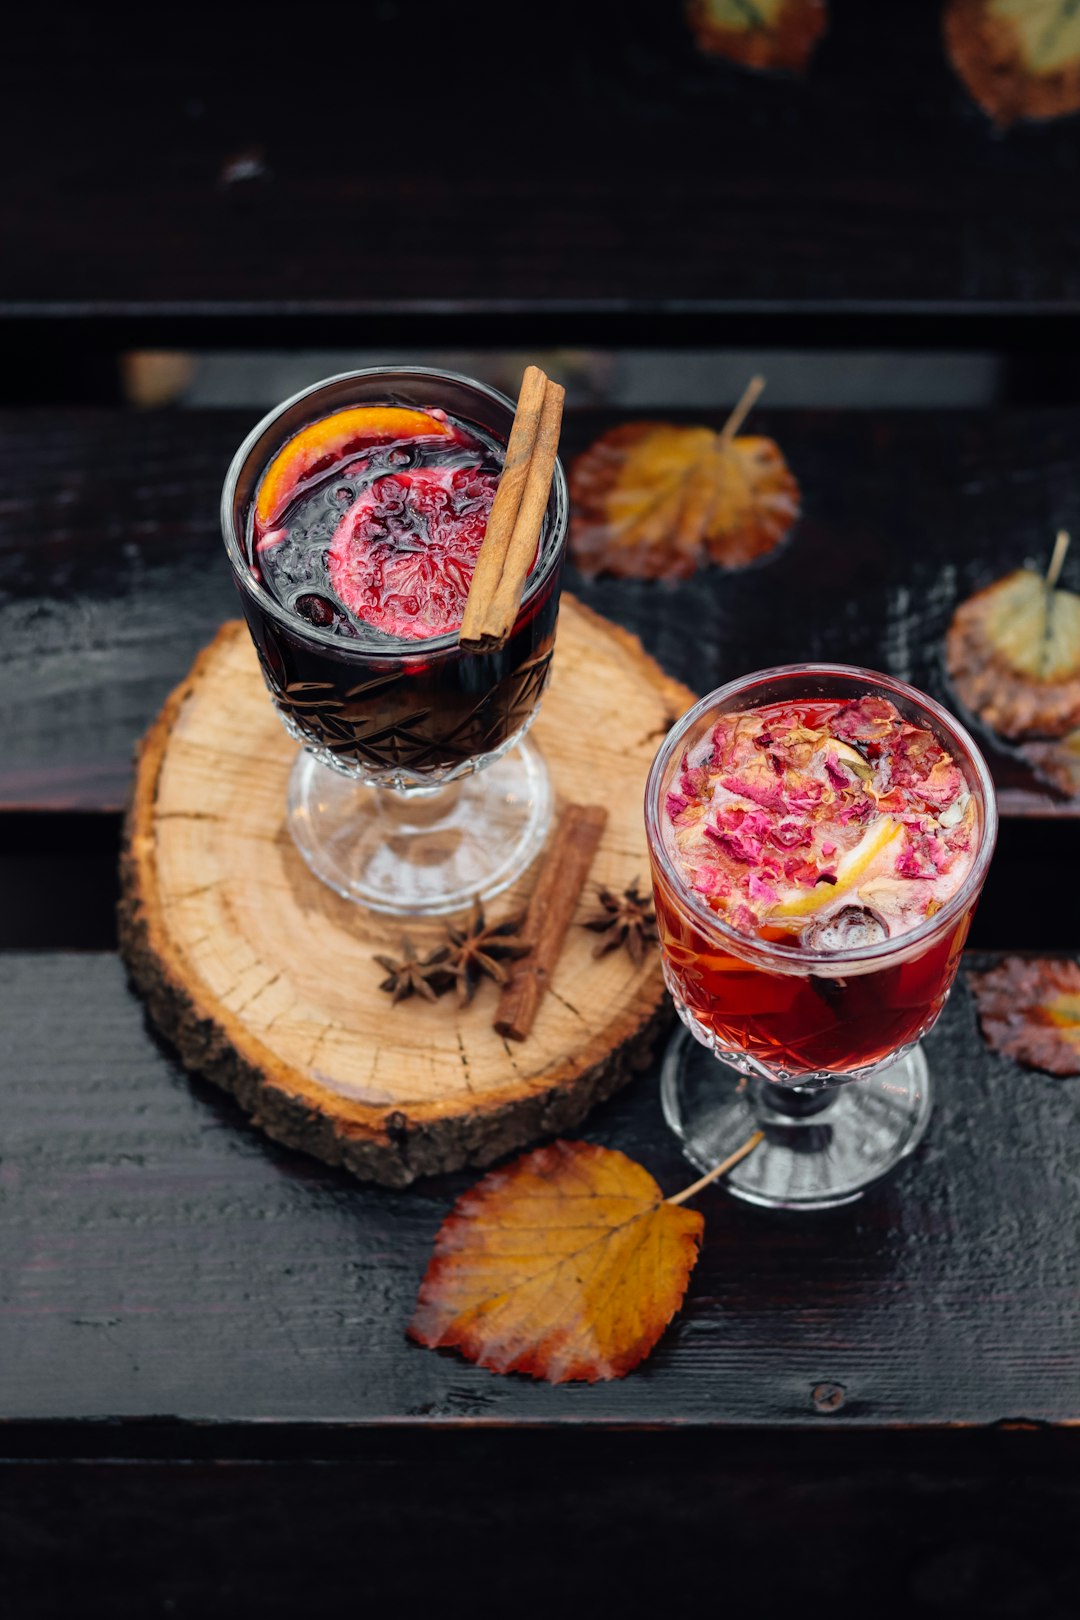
x: 375, y: 703
x: 803, y: 1023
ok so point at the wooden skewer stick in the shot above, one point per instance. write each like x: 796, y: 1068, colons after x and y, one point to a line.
x: 720, y: 1170
x: 499, y: 620
x: 747, y: 400
x: 551, y: 907
x: 505, y: 507
x: 1057, y: 561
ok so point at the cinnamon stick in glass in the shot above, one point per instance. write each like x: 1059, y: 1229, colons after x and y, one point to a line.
x: 513, y: 530
x: 504, y: 508
x: 499, y: 620
x: 551, y: 908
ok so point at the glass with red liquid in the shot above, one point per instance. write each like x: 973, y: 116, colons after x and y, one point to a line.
x: 795, y: 1014
x: 415, y: 791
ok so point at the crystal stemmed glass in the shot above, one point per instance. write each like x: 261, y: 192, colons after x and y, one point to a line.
x: 818, y: 1049
x: 415, y: 791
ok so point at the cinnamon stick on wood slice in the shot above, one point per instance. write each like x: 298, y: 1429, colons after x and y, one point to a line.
x: 517, y: 517
x: 504, y: 508
x: 551, y: 907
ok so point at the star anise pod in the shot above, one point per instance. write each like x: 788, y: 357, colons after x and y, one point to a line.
x: 480, y: 949
x: 427, y: 975
x: 627, y: 919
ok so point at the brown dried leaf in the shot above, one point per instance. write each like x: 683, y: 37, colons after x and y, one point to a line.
x: 567, y: 1264
x: 1057, y: 762
x: 770, y: 34
x: 1018, y: 58
x: 1029, y: 1009
x: 1013, y: 652
x: 654, y: 501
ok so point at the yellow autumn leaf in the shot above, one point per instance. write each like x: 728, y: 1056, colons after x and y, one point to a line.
x: 567, y: 1264
x: 1018, y: 58
x: 769, y: 34
x: 650, y: 500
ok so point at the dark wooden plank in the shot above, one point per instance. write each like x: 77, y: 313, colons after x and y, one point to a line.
x: 233, y: 192
x: 112, y: 572
x: 559, y: 1522
x: 160, y: 1259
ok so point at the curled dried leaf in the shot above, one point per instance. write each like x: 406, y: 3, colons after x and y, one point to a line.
x: 567, y: 1264
x: 769, y: 34
x: 1013, y: 653
x: 1057, y: 762
x: 1018, y: 58
x: 654, y: 501
x: 1029, y: 1009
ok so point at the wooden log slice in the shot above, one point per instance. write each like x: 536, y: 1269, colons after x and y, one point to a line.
x: 264, y: 978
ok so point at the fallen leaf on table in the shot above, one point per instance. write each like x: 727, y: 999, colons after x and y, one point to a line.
x: 1018, y: 58
x: 1057, y: 762
x: 1029, y: 1009
x: 1013, y: 653
x: 567, y: 1264
x: 654, y: 501
x: 776, y: 34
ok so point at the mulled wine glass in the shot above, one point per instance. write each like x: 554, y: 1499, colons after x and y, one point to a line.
x: 415, y: 791
x: 816, y: 1046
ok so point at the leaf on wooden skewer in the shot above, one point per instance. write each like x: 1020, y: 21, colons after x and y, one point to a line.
x: 762, y: 34
x: 1013, y: 653
x: 568, y: 1264
x: 655, y: 501
x: 1029, y: 1009
x: 1018, y: 58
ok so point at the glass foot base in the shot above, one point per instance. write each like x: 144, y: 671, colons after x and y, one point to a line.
x: 839, y: 1142
x: 427, y: 852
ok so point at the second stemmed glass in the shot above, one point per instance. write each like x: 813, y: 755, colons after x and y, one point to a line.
x: 817, y: 1049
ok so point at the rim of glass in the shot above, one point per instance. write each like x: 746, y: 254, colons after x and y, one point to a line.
x: 795, y: 955
x: 397, y: 647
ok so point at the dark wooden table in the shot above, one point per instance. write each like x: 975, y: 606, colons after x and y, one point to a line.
x: 206, y: 1397
x: 207, y: 1404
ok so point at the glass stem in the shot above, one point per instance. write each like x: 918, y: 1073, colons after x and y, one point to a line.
x: 414, y: 810
x: 795, y: 1102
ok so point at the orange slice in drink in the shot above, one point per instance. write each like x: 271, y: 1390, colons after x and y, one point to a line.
x: 321, y: 443
x: 850, y: 868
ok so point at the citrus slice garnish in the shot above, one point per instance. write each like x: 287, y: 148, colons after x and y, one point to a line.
x: 322, y: 443
x: 403, y: 555
x: 849, y: 869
